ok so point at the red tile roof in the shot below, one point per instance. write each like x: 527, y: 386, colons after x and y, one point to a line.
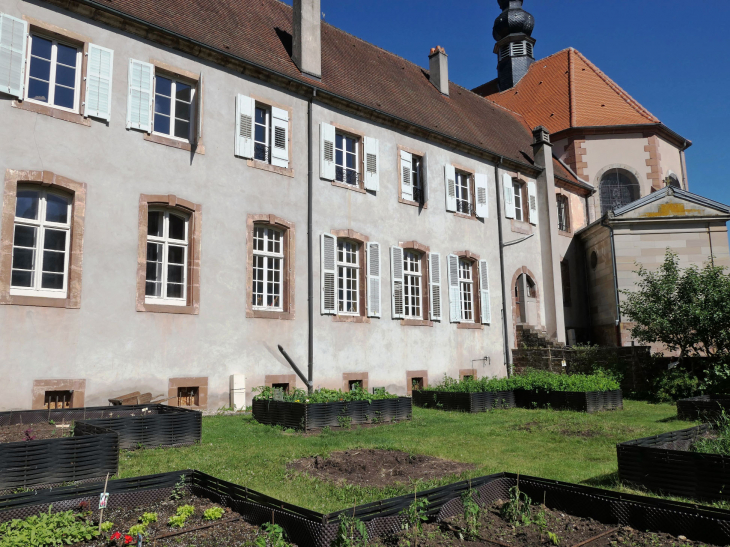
x: 566, y: 90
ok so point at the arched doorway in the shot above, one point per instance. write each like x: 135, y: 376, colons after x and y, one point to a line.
x: 618, y: 188
x: 525, y: 292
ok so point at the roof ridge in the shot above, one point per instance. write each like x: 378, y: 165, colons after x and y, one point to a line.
x: 638, y: 107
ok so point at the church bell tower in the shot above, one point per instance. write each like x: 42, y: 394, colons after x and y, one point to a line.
x: 513, y: 32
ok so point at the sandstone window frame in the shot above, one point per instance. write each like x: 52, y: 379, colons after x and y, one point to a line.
x: 175, y: 384
x: 423, y: 204
x: 267, y: 165
x: 46, y: 180
x: 424, y: 251
x: 348, y: 378
x: 195, y: 218
x: 476, y: 321
x: 564, y: 217
x: 412, y: 375
x: 362, y: 241
x: 41, y: 386
x: 359, y: 136
x: 287, y: 228
x: 463, y: 172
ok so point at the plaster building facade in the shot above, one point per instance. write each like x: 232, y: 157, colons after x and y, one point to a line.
x: 181, y: 198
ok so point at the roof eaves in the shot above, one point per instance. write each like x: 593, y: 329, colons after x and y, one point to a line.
x: 671, y: 191
x: 585, y: 185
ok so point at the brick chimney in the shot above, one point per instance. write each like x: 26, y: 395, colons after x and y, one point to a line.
x: 438, y: 66
x: 307, y: 39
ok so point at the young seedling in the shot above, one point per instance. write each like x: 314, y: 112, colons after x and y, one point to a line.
x: 271, y: 535
x: 214, y: 513
x: 415, y: 516
x: 472, y: 512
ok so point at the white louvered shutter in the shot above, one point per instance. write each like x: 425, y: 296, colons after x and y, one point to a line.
x: 280, y: 137
x: 452, y: 263
x: 199, y: 110
x: 406, y: 172
x: 326, y: 151
x: 328, y: 245
x: 396, y: 282
x: 99, y: 66
x: 245, y: 109
x: 372, y: 164
x: 532, y: 199
x: 424, y: 177
x: 434, y: 271
x: 509, y: 196
x: 139, y: 97
x: 484, y: 303
x: 373, y: 266
x: 450, y: 184
x: 481, y: 185
x: 13, y: 38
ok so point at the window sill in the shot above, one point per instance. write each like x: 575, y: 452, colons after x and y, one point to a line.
x: 462, y: 215
x: 348, y: 187
x: 162, y: 308
x: 469, y: 326
x: 416, y: 323
x: 350, y: 319
x: 40, y: 301
x: 521, y: 227
x: 174, y: 143
x: 264, y: 314
x: 565, y: 234
x: 256, y: 164
x: 413, y: 203
x: 52, y: 112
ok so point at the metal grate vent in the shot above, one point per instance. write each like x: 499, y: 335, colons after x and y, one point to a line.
x: 280, y: 137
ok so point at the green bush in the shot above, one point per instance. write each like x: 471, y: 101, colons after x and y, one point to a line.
x: 47, y: 529
x: 532, y: 380
x: 675, y: 384
x: 719, y: 443
x: 324, y: 395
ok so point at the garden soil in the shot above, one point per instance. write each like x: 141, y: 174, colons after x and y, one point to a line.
x: 33, y: 432
x: 369, y: 467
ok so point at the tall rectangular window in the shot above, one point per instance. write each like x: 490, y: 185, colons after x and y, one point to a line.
x: 466, y: 288
x: 53, y: 75
x: 412, y: 284
x: 167, y: 258
x: 563, y: 213
x: 519, y: 201
x: 41, y: 240
x: 173, y: 108
x: 346, y: 159
x: 417, y: 178
x: 463, y: 193
x: 348, y: 277
x: 268, y: 265
x: 262, y: 134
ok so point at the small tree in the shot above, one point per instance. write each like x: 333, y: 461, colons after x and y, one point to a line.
x: 686, y: 310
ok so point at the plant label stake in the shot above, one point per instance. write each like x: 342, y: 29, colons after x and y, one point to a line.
x: 103, y: 499
x: 139, y: 540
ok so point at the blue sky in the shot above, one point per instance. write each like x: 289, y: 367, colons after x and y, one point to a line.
x: 660, y: 51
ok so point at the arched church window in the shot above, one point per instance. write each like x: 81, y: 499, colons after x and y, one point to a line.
x: 618, y: 188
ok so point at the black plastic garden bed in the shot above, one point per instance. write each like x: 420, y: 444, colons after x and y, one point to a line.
x: 705, y: 407
x: 581, y: 401
x: 310, y: 528
x: 464, y: 402
x: 657, y: 464
x: 309, y: 416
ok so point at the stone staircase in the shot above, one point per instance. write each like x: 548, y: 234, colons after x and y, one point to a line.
x: 529, y: 336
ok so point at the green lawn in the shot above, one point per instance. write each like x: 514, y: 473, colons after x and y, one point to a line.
x: 566, y: 446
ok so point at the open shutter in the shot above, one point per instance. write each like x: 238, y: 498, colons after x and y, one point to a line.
x: 245, y: 108
x: 373, y: 266
x: 328, y: 245
x: 434, y: 271
x: 484, y: 292
x: 450, y: 182
x: 139, y: 98
x: 453, y: 278
x: 13, y: 38
x: 280, y: 137
x: 509, y: 196
x: 424, y: 177
x: 372, y: 161
x: 199, y: 109
x: 481, y: 186
x: 98, y: 98
x: 396, y: 280
x: 532, y: 199
x: 326, y: 151
x: 406, y: 171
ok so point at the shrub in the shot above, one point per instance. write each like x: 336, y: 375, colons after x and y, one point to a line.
x: 47, y: 529
x: 532, y: 380
x: 674, y: 384
x: 324, y: 395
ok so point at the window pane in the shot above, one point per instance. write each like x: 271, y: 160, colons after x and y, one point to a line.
x: 175, y: 255
x: 66, y: 55
x: 53, y: 261
x: 24, y: 236
x: 338, y: 141
x: 183, y: 92
x: 177, y: 228
x: 154, y: 271
x: 260, y: 135
x: 40, y: 68
x: 65, y: 76
x: 23, y: 259
x: 162, y: 105
x: 153, y: 289
x: 21, y: 279
x: 154, y: 223
x: 350, y: 144
x: 52, y: 281
x: 55, y: 240
x: 163, y: 86
x: 154, y: 253
x: 174, y: 291
x: 41, y: 47
x: 338, y: 157
x: 260, y: 115
x: 351, y: 161
x: 26, y: 204
x: 162, y: 124
x: 174, y: 274
x: 38, y: 90
x: 182, y: 129
x: 182, y: 111
x: 56, y: 209
x: 63, y: 97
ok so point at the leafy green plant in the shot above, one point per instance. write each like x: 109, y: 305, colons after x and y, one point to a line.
x: 324, y: 395
x: 345, y: 422
x: 719, y: 442
x: 106, y: 526
x: 472, y: 513
x: 541, y: 380
x: 178, y: 491
x: 553, y: 537
x: 516, y: 509
x: 138, y: 529
x: 214, y: 513
x: 351, y: 533
x: 180, y: 516
x: 47, y: 529
x: 271, y: 535
x: 148, y: 518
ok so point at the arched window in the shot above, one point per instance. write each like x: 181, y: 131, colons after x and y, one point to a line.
x: 563, y: 213
x: 618, y: 188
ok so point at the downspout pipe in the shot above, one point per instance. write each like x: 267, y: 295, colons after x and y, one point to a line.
x: 615, y: 281
x: 310, y: 244
x: 505, y: 330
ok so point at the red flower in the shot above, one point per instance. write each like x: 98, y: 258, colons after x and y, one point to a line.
x: 115, y: 535
x: 128, y: 540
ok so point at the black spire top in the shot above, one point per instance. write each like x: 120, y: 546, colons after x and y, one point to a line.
x: 513, y: 32
x: 512, y: 20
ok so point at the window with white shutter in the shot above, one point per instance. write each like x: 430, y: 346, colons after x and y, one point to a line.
x: 197, y: 136
x: 54, y: 73
x: 139, y: 95
x: 373, y: 279
x: 245, y: 108
x: 280, y: 137
x: 532, y: 201
x: 406, y: 175
x: 99, y: 70
x: 396, y: 280
x: 481, y: 186
x: 434, y: 270
x: 485, y: 306
x: 509, y: 196
x: 450, y: 186
x: 452, y: 273
x: 326, y: 151
x: 372, y: 168
x: 13, y: 38
x: 413, y: 177
x: 328, y: 272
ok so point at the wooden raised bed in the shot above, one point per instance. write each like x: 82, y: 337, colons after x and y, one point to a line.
x: 581, y: 401
x: 464, y: 402
x: 307, y: 416
x: 706, y: 408
x: 664, y: 464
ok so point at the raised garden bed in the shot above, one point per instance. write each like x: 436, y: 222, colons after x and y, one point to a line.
x: 581, y: 401
x: 706, y: 408
x: 665, y: 464
x: 308, y: 528
x: 463, y: 402
x: 308, y: 416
